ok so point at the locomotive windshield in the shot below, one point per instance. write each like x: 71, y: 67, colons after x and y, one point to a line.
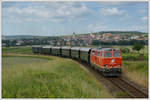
x: 116, y: 54
x: 108, y: 54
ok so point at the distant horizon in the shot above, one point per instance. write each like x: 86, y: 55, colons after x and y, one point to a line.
x: 77, y: 34
x: 64, y: 18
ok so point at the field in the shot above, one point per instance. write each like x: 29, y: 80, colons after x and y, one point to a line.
x: 47, y: 77
x: 20, y: 50
x: 23, y: 75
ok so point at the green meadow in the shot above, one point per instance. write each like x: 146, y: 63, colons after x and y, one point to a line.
x: 33, y: 77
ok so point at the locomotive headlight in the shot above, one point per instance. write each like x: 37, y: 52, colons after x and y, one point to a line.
x: 119, y: 65
x: 113, y: 60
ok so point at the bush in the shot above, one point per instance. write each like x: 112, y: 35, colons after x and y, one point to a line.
x: 130, y: 56
x: 138, y: 46
x: 125, y: 50
x: 146, y: 57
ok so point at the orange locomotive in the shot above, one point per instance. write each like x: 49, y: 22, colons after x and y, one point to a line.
x: 107, y: 60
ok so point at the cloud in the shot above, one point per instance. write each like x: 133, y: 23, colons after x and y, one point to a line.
x: 90, y: 25
x: 112, y: 11
x: 145, y: 18
x: 96, y: 27
x: 136, y: 28
x: 50, y: 11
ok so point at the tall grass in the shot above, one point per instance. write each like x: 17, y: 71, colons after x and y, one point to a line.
x: 137, y: 71
x: 24, y: 77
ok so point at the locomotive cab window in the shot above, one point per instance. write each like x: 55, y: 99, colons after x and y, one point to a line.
x: 117, y: 54
x: 95, y: 53
x: 101, y: 53
x: 108, y: 54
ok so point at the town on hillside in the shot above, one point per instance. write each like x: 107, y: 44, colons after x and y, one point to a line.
x: 98, y: 38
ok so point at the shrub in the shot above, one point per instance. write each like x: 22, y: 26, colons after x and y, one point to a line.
x: 138, y: 46
x: 125, y: 50
x: 146, y: 57
x: 133, y: 56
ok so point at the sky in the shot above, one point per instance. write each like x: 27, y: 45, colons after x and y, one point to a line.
x: 64, y: 18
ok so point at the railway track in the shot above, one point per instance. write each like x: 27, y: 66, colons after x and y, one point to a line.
x: 129, y: 88
x: 133, y: 90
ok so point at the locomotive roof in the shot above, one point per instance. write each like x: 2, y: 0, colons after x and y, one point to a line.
x: 105, y: 49
x: 75, y: 48
x: 85, y: 49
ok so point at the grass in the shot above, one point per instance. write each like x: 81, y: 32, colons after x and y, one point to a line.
x: 30, y: 77
x: 137, y: 71
x: 122, y: 94
x: 20, y: 50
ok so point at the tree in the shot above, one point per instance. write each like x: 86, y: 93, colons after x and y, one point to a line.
x: 138, y: 46
x: 95, y: 42
x: 7, y: 43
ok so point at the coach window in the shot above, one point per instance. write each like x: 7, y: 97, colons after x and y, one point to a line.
x: 92, y: 52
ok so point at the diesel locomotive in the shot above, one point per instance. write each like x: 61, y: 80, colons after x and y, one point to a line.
x: 106, y: 60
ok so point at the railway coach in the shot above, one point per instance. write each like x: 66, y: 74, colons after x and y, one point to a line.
x: 66, y: 51
x: 85, y: 54
x: 37, y: 49
x: 46, y: 50
x: 56, y: 51
x: 75, y: 52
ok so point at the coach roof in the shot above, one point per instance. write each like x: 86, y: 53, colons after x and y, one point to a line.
x: 66, y: 47
x: 75, y: 48
x: 85, y: 49
x: 47, y: 46
x: 55, y: 47
x: 37, y: 46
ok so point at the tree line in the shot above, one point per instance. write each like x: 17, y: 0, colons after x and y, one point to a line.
x: 122, y: 42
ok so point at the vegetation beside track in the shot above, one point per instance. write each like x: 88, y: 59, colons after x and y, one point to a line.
x: 31, y: 77
x: 136, y: 71
x: 133, y: 54
x: 135, y: 65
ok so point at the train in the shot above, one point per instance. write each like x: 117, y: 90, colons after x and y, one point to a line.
x: 108, y: 61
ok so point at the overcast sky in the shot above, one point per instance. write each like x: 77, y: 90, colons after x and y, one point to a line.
x: 64, y: 18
